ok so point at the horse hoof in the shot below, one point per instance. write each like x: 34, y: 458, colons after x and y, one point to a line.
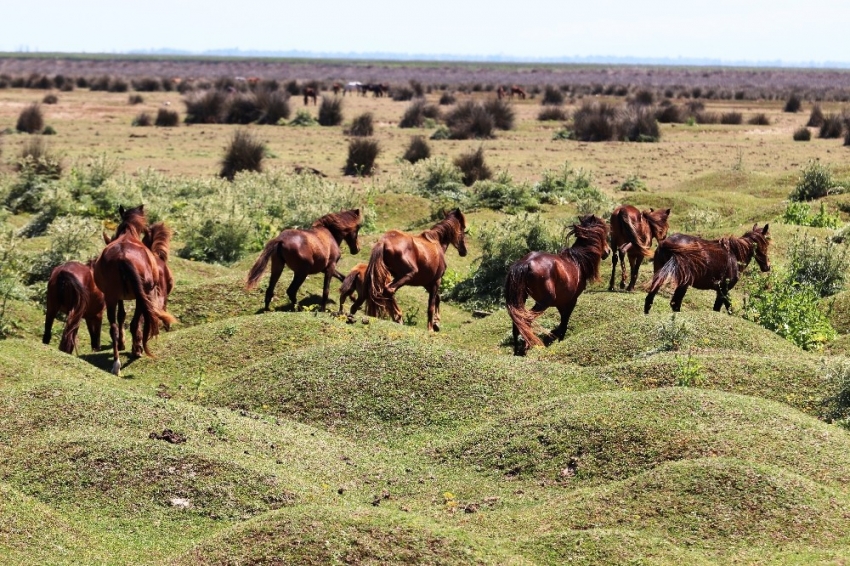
x: 436, y: 327
x: 116, y: 367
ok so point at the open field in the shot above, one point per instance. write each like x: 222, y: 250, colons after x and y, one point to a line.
x: 309, y: 438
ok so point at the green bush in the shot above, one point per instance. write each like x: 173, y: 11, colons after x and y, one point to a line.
x: 473, y: 167
x: 632, y: 183
x: 71, y: 238
x: 502, y: 194
x: 36, y: 176
x: 217, y: 241
x: 11, y: 270
x: 816, y: 181
x: 800, y: 214
x: 303, y: 118
x: 792, y: 310
x: 818, y: 264
x: 571, y: 186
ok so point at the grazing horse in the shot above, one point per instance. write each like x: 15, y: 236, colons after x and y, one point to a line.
x: 309, y: 93
x: 554, y: 280
x: 126, y: 270
x: 71, y: 290
x: 518, y: 91
x: 315, y: 250
x: 353, y: 283
x: 632, y: 232
x: 706, y: 264
x: 400, y: 259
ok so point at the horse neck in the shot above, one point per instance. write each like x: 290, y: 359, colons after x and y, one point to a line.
x: 444, y: 233
x: 336, y: 235
x: 585, y: 255
x: 741, y: 248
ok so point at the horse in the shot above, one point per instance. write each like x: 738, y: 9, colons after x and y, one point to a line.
x: 400, y: 259
x: 632, y: 232
x: 336, y: 88
x: 352, y: 87
x: 126, y: 269
x: 354, y: 283
x: 71, y: 290
x: 500, y: 92
x: 706, y: 264
x: 518, y: 91
x: 554, y: 280
x: 314, y: 250
x: 309, y: 93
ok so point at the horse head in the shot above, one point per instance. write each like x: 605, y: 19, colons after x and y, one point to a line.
x: 459, y: 240
x: 758, y: 237
x: 657, y: 220
x: 592, y: 232
x: 345, y: 226
x: 133, y: 220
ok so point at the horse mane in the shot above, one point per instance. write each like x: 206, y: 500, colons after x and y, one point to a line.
x: 340, y: 223
x: 158, y: 240
x: 744, y: 247
x: 587, y: 251
x: 133, y: 221
x: 447, y: 229
x: 657, y: 220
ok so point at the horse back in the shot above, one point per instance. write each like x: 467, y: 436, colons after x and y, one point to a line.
x: 552, y: 278
x: 311, y: 250
x: 58, y: 298
x: 401, y: 250
x: 707, y: 261
x: 119, y: 256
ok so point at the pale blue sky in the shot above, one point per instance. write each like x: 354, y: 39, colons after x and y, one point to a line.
x: 731, y: 30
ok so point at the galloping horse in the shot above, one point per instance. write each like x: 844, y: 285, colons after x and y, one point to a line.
x: 126, y: 270
x: 309, y: 93
x: 315, y: 250
x: 518, y: 91
x: 353, y: 283
x: 71, y: 290
x: 706, y: 264
x: 402, y: 259
x: 632, y: 232
x: 554, y: 280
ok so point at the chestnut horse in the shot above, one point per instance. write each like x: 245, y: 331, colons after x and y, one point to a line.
x: 518, y: 91
x: 706, y: 264
x: 308, y: 94
x: 402, y: 259
x: 632, y: 232
x: 554, y: 280
x: 354, y: 283
x: 500, y: 92
x: 71, y: 290
x: 126, y: 270
x: 315, y: 250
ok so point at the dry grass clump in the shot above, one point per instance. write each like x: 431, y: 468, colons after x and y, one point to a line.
x: 243, y: 153
x: 134, y: 99
x: 50, y: 99
x: 447, y: 99
x: 208, y: 107
x: 417, y: 150
x: 638, y: 124
x: 148, y: 84
x: 704, y: 117
x: 502, y: 113
x: 473, y: 167
x: 832, y: 126
x: 242, y: 109
x: 802, y: 134
x: 143, y: 119
x: 470, y: 120
x: 362, y: 126
x: 595, y: 121
x: 732, y: 118
x: 815, y: 117
x: 416, y: 114
x: 670, y: 114
x: 759, y: 119
x: 552, y: 114
x: 793, y: 104
x: 362, y: 153
x: 38, y: 156
x: 31, y: 119
x: 273, y: 105
x: 330, y: 111
x: 552, y: 96
x: 166, y: 118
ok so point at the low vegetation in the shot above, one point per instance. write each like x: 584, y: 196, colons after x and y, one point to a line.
x: 244, y: 152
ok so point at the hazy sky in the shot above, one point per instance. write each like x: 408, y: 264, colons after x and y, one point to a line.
x: 731, y: 30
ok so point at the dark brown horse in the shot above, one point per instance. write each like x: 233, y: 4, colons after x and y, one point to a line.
x: 632, y: 232
x: 689, y: 261
x: 554, y: 280
x: 500, y: 92
x: 71, y: 290
x: 309, y: 93
x: 354, y: 283
x: 518, y: 91
x: 315, y: 250
x: 127, y: 270
x: 400, y: 259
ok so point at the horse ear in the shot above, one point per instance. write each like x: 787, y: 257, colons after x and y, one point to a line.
x: 667, y: 212
x: 141, y: 208
x: 652, y: 209
x: 755, y: 226
x: 121, y: 210
x: 764, y: 232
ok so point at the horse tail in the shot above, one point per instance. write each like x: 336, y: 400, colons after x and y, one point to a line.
x: 73, y: 295
x: 626, y: 224
x: 259, y: 266
x: 516, y: 292
x: 377, y: 274
x: 151, y: 314
x: 676, y: 262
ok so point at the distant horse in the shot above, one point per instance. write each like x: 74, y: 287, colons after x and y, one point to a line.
x: 71, y: 290
x: 632, y: 232
x: 353, y: 283
x: 377, y: 90
x: 126, y: 270
x: 352, y: 87
x: 336, y: 88
x: 554, y: 280
x: 402, y: 259
x: 309, y: 93
x: 518, y: 91
x: 315, y: 250
x: 689, y: 261
x: 500, y: 92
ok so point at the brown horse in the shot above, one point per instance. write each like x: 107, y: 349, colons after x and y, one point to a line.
x: 402, y: 259
x: 500, y: 92
x: 126, y: 270
x: 706, y: 264
x: 632, y: 232
x: 518, y: 91
x: 353, y: 283
x: 309, y: 93
x: 554, y: 280
x: 336, y: 88
x: 71, y: 290
x: 315, y: 250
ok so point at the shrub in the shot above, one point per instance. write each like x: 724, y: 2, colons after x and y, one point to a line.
x: 815, y: 182
x: 414, y: 115
x: 50, y: 99
x: 815, y: 117
x: 447, y: 99
x: 273, y: 106
x: 788, y: 308
x: 71, y: 238
x: 800, y: 214
x: 362, y: 153
x: 802, y: 134
x: 217, y: 241
x: 793, y: 104
x: 330, y: 111
x: 644, y: 97
x: 594, y: 121
x: 632, y: 183
x: 697, y: 219
x: 417, y: 88
x: 732, y: 118
x: 552, y: 96
x: 470, y: 120
x: 402, y: 94
x: 671, y: 114
x: 243, y: 153
x: 37, y: 157
x: 30, y: 120
x: 303, y: 118
x: 207, y: 107
x: 638, y: 123
x: 135, y: 99
x: 847, y: 136
x: 417, y: 150
x: 704, y: 117
x: 442, y: 133
x: 818, y: 264
x: 48, y: 131
x: 99, y: 83
x: 472, y: 166
x: 241, y: 109
x: 293, y: 88
x: 552, y: 114
x: 166, y: 118
x: 362, y: 125
x: 441, y: 182
x: 142, y: 119
x: 503, y: 194
x: 148, y: 84
x: 37, y: 167
x: 759, y: 119
x: 572, y: 186
x: 502, y: 113
x: 118, y: 85
x: 832, y: 127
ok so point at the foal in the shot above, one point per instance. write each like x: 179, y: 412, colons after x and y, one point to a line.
x: 632, y: 232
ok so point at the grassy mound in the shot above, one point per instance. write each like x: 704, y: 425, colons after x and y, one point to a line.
x: 376, y: 383
x: 321, y: 535
x: 30, y: 361
x: 615, y: 435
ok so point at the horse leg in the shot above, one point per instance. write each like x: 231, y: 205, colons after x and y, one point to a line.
x: 326, y: 289
x: 613, y: 271
x: 48, y: 324
x: 357, y: 304
x: 277, y: 269
x: 93, y: 324
x: 113, y: 333
x: 647, y: 303
x: 433, y: 305
x: 678, y: 295
x: 566, y: 312
x: 394, y: 310
x: 437, y: 317
x: 122, y: 316
x: 723, y: 297
x: 292, y: 290
x: 635, y: 263
x: 515, y: 333
x: 136, y: 331
x: 622, y: 252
